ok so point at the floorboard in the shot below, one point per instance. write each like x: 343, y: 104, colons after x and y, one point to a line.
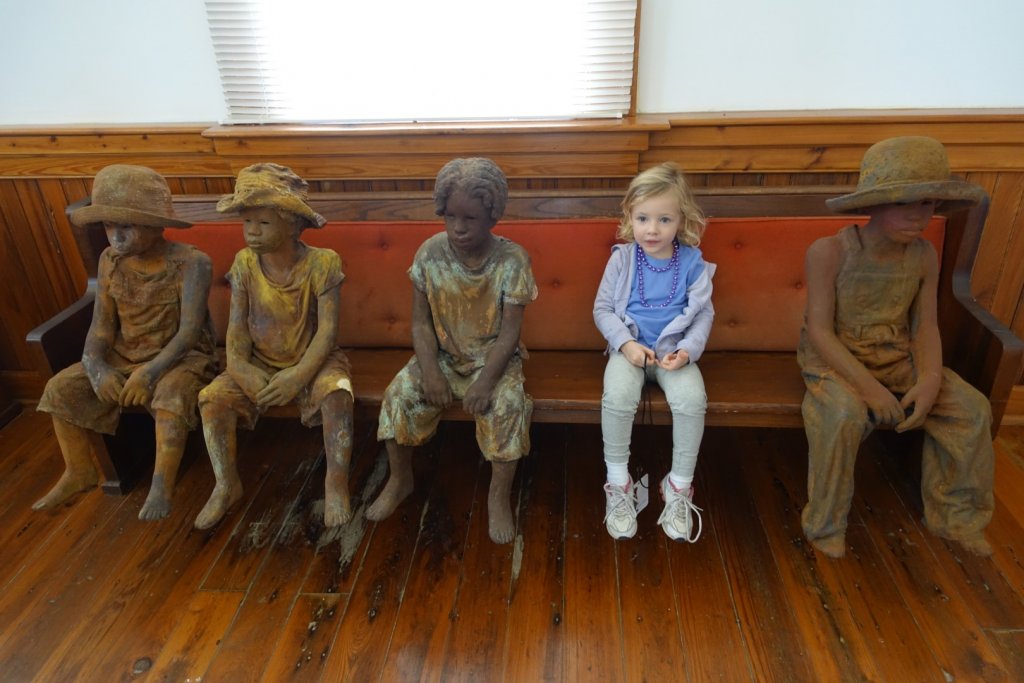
x: 90, y: 593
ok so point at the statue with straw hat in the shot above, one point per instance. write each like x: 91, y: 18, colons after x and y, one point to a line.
x: 282, y: 338
x: 871, y: 355
x: 151, y: 340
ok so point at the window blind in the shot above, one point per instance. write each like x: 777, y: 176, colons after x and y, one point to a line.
x: 427, y: 60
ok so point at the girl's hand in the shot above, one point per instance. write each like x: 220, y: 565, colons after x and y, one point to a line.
x: 138, y: 390
x: 637, y: 354
x: 922, y: 396
x: 674, y: 360
x: 885, y: 407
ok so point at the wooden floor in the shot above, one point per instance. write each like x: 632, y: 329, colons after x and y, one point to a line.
x: 90, y: 593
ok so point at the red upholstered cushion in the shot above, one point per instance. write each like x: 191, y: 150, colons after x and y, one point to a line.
x: 759, y: 290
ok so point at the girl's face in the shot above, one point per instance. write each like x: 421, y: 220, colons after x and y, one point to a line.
x: 656, y: 221
x: 266, y: 229
x: 468, y: 224
x: 901, y: 222
x: 132, y: 240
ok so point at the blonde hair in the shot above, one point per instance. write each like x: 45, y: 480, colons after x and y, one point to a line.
x: 661, y: 179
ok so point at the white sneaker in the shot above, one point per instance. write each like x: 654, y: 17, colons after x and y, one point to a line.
x: 620, y: 510
x: 677, y: 517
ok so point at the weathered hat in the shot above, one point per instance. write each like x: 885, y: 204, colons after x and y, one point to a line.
x: 906, y: 169
x: 271, y: 185
x: 133, y: 195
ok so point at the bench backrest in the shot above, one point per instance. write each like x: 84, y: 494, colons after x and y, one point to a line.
x: 759, y: 290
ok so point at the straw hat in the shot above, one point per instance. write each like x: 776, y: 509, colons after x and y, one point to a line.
x: 129, y: 195
x: 906, y: 169
x: 271, y: 185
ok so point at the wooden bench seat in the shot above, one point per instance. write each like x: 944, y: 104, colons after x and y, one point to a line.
x: 756, y: 236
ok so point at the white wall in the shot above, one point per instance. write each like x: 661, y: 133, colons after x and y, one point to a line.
x: 107, y: 61
x: 152, y: 61
x: 734, y: 55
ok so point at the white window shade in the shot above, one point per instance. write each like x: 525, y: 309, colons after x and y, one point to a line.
x: 407, y: 60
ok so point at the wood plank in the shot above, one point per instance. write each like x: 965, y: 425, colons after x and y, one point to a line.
x: 196, y: 634
x: 651, y: 642
x: 55, y: 201
x: 430, y: 598
x: 269, y: 506
x: 593, y: 625
x: 40, y: 221
x: 477, y: 632
x: 306, y: 639
x: 61, y: 165
x: 535, y: 644
x: 865, y: 134
x: 275, y: 588
x: 815, y: 158
x: 837, y: 622
x: 112, y: 142
x: 364, y: 635
x: 464, y: 144
x: 887, y: 627
x: 930, y: 594
x: 340, y: 551
x: 710, y: 629
x: 1010, y: 645
x: 427, y: 165
x: 992, y: 601
x: 774, y: 645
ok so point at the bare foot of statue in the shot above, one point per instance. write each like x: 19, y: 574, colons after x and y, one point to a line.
x: 70, y: 483
x: 224, y: 496
x: 158, y: 502
x: 501, y: 525
x: 975, y: 544
x: 337, y: 506
x: 832, y: 546
x: 397, y: 489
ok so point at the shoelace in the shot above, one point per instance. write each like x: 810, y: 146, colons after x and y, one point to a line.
x: 671, y: 510
x: 620, y: 499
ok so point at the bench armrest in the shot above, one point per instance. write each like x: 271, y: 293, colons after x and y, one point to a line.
x: 58, y: 342
x: 976, y: 345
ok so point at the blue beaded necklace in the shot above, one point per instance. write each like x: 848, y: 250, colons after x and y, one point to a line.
x: 642, y: 263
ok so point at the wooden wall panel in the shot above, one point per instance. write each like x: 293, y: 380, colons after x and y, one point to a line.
x: 43, y: 170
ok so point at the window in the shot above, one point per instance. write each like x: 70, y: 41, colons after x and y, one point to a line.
x: 423, y: 60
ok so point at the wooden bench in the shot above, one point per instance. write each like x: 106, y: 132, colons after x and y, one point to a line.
x: 757, y: 236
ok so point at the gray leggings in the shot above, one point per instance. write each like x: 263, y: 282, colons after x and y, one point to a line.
x: 684, y: 390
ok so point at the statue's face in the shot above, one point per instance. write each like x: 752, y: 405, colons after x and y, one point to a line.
x: 132, y: 240
x: 266, y: 230
x: 903, y: 222
x: 468, y: 224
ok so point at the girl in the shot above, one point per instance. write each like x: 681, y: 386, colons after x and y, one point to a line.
x: 654, y: 308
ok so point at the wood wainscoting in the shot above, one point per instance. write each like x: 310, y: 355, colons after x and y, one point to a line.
x: 44, y: 169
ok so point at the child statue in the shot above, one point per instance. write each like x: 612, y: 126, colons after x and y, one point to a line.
x: 871, y: 354
x: 151, y: 340
x: 282, y: 338
x: 470, y: 289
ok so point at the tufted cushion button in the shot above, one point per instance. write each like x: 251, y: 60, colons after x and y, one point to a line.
x: 556, y: 283
x: 799, y: 285
x: 737, y: 245
x: 732, y: 323
x: 384, y: 246
x: 392, y: 320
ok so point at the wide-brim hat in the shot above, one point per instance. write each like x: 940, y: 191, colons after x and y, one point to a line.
x: 906, y: 169
x: 129, y: 195
x: 271, y: 185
